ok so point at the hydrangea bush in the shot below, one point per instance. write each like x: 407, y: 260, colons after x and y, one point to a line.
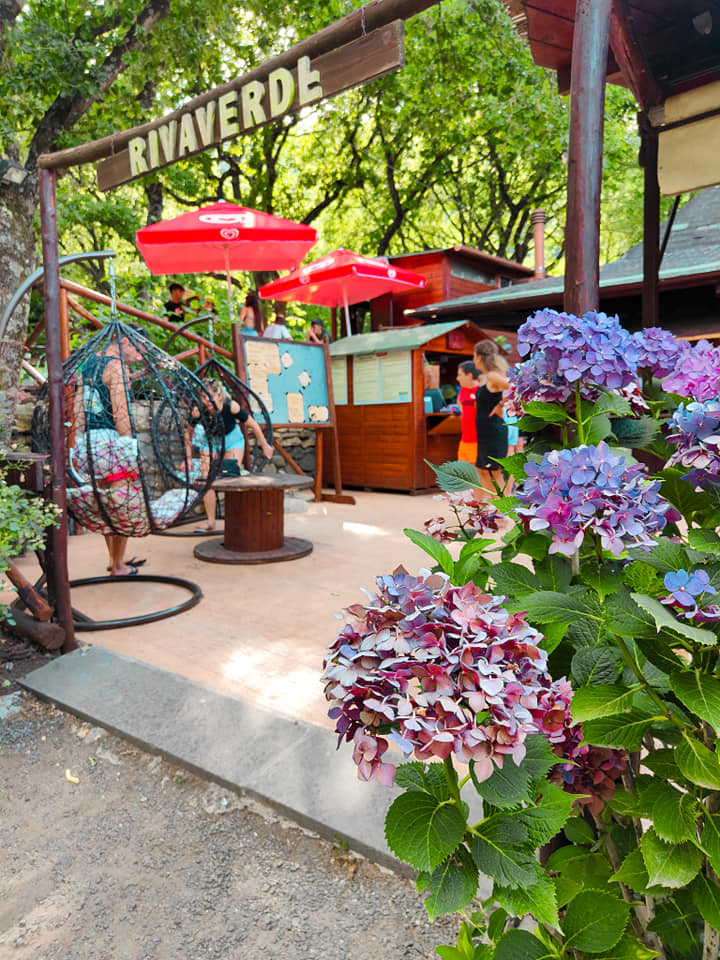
x: 556, y: 672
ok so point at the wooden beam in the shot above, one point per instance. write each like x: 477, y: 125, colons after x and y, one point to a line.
x: 651, y: 223
x: 371, y: 16
x: 630, y: 58
x: 587, y: 102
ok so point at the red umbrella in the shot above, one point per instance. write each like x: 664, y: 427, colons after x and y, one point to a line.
x: 223, y: 236
x: 342, y: 278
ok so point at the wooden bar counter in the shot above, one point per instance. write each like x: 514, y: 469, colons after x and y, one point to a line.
x: 255, y: 521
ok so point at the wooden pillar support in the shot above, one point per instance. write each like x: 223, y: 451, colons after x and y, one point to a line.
x: 587, y: 97
x: 651, y: 223
x: 57, y: 568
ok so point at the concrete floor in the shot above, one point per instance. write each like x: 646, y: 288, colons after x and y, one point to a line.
x: 260, y: 631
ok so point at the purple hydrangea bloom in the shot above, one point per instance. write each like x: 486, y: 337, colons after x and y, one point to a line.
x: 659, y: 351
x: 697, y: 373
x: 588, y: 351
x: 695, y: 431
x: 590, y: 489
x: 685, y: 587
x: 439, y: 670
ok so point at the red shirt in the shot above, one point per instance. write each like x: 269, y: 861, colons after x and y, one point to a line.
x: 466, y: 399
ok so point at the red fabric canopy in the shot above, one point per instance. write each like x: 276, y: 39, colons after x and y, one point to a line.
x: 223, y: 236
x: 341, y: 278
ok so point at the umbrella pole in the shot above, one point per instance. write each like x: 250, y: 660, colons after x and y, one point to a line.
x: 347, y: 315
x: 229, y: 284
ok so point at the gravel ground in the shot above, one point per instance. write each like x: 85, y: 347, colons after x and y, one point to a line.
x: 112, y: 853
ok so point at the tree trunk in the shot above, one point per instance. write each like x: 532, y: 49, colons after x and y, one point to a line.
x: 17, y: 261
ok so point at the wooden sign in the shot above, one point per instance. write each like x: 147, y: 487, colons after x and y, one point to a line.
x: 253, y: 100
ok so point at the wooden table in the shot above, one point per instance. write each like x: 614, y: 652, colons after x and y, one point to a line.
x: 255, y: 520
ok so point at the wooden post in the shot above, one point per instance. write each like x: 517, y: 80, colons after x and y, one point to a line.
x: 64, y: 326
x: 587, y: 96
x: 651, y: 223
x: 57, y: 568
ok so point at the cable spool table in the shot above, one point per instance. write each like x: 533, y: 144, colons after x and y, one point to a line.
x: 255, y: 521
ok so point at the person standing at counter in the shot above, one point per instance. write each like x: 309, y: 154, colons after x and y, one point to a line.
x: 492, y: 432
x: 467, y: 378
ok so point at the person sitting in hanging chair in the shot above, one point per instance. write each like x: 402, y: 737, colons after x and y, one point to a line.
x: 232, y: 416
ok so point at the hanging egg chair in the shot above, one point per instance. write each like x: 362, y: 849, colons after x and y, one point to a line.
x: 211, y: 372
x: 131, y: 414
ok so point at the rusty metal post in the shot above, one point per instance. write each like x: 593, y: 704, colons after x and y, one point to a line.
x: 587, y: 101
x: 57, y: 568
x: 651, y: 223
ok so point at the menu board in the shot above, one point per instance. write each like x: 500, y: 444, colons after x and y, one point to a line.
x: 338, y: 372
x: 382, y: 378
x: 290, y: 379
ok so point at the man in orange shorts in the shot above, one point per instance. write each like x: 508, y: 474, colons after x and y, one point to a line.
x: 467, y: 378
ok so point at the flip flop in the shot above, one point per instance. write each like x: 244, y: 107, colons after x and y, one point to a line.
x: 134, y: 562
x: 133, y: 573
x: 205, y: 530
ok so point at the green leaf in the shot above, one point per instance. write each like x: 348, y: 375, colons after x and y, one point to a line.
x: 438, y: 551
x: 547, y: 606
x: 504, y: 788
x: 700, y: 693
x: 589, y: 872
x: 496, y: 924
x: 612, y: 403
x: 578, y: 831
x: 549, y: 412
x: 635, y: 432
x: 627, y: 948
x: 495, y: 854
x: 658, y: 650
x: 598, y: 429
x: 520, y: 945
x: 682, y: 495
x: 642, y: 578
x: 710, y: 839
x: 675, y: 814
x: 624, y: 732
x: 706, y: 896
x: 539, y: 757
x: 514, y: 465
x: 596, y: 664
x: 554, y: 634
x: 675, y: 923
x: 697, y: 763
x: 530, y: 424
x: 594, y: 921
x: 547, y: 818
x: 665, y: 556
x: 583, y: 633
x: 422, y: 831
x: 663, y: 764
x: 664, y: 618
x: 603, y: 581
x: 627, y: 618
x: 452, y: 884
x: 513, y: 580
x: 704, y: 540
x: 538, y: 900
x: 633, y: 872
x: 669, y: 864
x: 456, y: 476
x: 426, y: 777
x: 605, y: 700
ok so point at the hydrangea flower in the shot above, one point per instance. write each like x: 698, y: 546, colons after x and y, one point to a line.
x: 695, y: 431
x: 685, y: 586
x: 589, y: 771
x: 472, y: 514
x: 439, y: 670
x: 589, y: 489
x: 588, y: 351
x: 659, y: 351
x: 697, y: 373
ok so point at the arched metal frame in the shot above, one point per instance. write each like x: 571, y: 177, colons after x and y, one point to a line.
x: 248, y: 400
x: 130, y: 467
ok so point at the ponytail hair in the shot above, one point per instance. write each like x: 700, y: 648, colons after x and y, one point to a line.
x: 489, y: 353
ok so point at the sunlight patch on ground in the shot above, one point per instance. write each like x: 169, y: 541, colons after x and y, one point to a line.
x: 365, y: 530
x: 284, y: 690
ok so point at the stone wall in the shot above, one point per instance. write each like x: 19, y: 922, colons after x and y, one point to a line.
x: 299, y: 442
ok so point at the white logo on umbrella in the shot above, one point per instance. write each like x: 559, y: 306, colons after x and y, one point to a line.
x: 229, y: 233
x: 246, y: 219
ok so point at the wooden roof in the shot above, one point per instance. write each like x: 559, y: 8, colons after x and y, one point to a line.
x: 659, y: 47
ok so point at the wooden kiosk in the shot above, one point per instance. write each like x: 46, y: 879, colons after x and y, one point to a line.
x: 385, y: 433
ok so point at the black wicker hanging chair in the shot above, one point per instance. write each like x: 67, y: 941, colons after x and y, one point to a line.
x: 132, y: 414
x: 213, y: 371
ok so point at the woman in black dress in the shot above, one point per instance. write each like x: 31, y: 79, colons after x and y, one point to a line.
x: 492, y: 432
